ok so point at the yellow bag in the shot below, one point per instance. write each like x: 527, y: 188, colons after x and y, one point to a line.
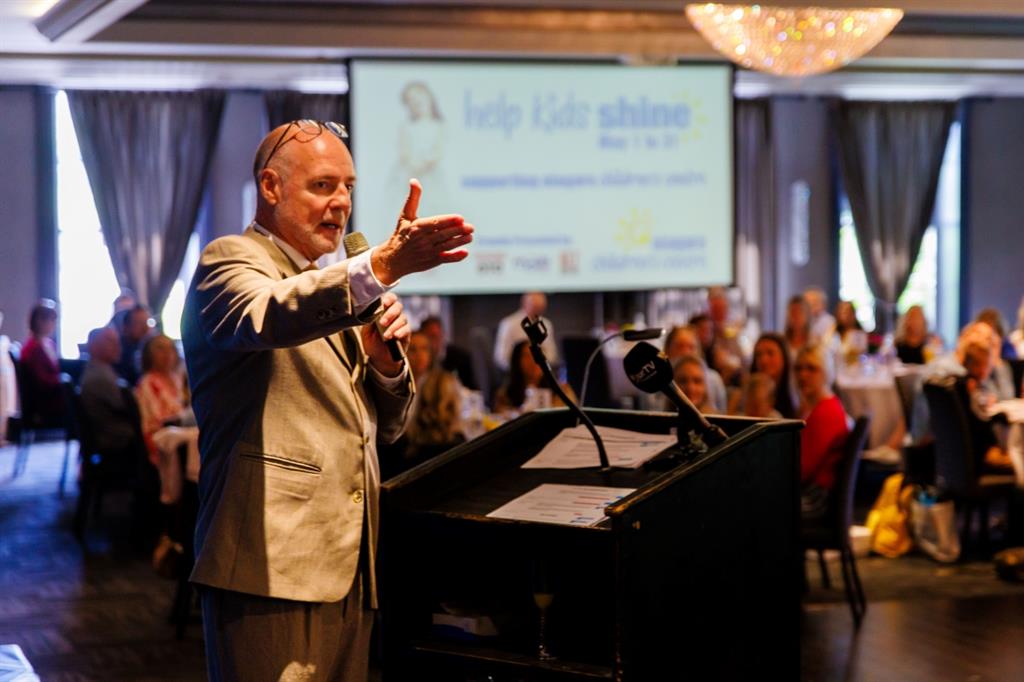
x: 889, y: 518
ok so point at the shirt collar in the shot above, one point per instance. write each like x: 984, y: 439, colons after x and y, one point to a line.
x: 300, y: 261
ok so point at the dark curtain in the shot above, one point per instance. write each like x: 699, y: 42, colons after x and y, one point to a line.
x: 890, y: 154
x: 755, y: 210
x: 286, y: 105
x: 147, y: 155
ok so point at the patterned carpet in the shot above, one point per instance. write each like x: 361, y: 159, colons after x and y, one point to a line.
x: 102, y: 615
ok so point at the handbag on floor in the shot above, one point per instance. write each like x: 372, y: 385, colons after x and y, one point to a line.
x: 934, y: 526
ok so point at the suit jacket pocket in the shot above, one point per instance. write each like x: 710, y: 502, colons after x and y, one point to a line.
x: 285, y: 477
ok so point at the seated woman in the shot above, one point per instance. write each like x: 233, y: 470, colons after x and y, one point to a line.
x: 798, y: 324
x: 989, y: 437
x: 914, y: 344
x: 771, y: 357
x: 526, y: 388
x: 434, y: 424
x: 683, y: 341
x: 824, y: 436
x: 759, y: 397
x: 850, y: 340
x: 160, y: 391
x: 40, y: 369
x: 691, y: 376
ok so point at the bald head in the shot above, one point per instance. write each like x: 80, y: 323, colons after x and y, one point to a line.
x: 304, y: 192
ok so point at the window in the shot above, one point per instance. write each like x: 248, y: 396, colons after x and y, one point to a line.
x: 933, y: 279
x: 87, y: 284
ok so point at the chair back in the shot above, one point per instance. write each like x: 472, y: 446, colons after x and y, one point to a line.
x: 481, y: 350
x: 908, y: 386
x: 1017, y: 368
x: 576, y: 350
x: 841, y: 499
x: 954, y: 449
x: 83, y: 425
x: 71, y: 418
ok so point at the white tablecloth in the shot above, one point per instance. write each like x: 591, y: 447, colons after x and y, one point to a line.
x: 873, y: 395
x: 1014, y: 411
x: 168, y: 440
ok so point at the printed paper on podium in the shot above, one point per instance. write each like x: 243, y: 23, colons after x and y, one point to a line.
x: 570, y: 505
x: 575, y: 449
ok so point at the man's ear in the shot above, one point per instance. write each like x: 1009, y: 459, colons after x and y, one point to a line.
x: 268, y: 184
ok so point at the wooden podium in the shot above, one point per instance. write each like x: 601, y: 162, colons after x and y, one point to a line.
x: 696, y: 575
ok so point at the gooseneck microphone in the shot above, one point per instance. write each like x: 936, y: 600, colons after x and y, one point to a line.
x: 355, y: 243
x: 536, y: 332
x: 650, y: 371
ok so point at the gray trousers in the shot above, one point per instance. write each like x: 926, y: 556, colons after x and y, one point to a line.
x: 252, y: 639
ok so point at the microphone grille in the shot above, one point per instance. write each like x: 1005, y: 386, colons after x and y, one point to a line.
x: 355, y: 243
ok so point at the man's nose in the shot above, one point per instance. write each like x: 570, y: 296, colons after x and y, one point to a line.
x: 342, y: 199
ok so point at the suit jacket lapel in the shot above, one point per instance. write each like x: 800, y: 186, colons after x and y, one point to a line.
x: 288, y: 269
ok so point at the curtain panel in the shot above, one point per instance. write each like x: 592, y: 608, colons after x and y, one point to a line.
x: 287, y: 105
x: 756, y: 252
x: 147, y: 155
x: 890, y: 155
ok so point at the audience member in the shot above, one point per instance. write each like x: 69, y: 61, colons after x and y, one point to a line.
x: 771, y: 357
x: 160, y: 391
x: 1001, y: 372
x: 825, y: 433
x: 759, y: 397
x: 526, y: 387
x: 125, y: 301
x: 8, y: 384
x: 451, y: 357
x: 434, y: 423
x: 134, y: 326
x: 107, y: 400
x: 798, y: 325
x: 40, y: 368
x: 988, y: 437
x: 682, y: 341
x: 849, y: 339
x: 691, y: 376
x: 724, y: 355
x: 994, y: 319
x: 952, y: 365
x: 510, y: 331
x: 1017, y: 335
x: 913, y: 342
x: 822, y: 323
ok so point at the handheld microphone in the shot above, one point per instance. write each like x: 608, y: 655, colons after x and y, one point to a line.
x: 650, y: 371
x: 355, y: 243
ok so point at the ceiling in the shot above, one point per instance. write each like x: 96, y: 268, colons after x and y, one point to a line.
x: 943, y: 48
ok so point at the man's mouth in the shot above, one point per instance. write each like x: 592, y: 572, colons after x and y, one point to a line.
x: 331, y: 226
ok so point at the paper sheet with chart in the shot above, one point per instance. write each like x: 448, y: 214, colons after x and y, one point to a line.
x: 571, y: 505
x: 575, y: 448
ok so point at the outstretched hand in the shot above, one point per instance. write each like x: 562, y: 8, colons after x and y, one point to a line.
x: 419, y: 244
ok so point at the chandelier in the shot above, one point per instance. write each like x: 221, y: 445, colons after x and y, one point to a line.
x: 792, y: 41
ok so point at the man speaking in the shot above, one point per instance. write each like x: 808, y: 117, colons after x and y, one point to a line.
x: 292, y: 389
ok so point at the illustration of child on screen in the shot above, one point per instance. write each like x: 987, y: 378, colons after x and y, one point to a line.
x: 421, y: 147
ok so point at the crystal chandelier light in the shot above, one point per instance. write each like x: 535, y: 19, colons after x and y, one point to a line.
x: 792, y: 41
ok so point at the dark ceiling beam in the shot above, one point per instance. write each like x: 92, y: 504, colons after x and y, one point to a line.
x: 79, y: 20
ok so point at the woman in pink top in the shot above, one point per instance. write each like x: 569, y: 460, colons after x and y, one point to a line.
x: 160, y: 391
x: 822, y: 440
x: 40, y: 368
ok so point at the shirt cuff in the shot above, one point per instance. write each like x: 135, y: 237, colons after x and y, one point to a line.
x: 386, y: 382
x: 363, y: 286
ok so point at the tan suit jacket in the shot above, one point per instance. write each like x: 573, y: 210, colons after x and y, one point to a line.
x: 288, y: 418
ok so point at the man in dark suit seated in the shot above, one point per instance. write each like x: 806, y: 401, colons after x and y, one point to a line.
x: 451, y: 357
x: 105, y: 400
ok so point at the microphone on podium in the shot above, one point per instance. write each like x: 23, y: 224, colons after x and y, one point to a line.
x: 650, y: 371
x: 355, y: 243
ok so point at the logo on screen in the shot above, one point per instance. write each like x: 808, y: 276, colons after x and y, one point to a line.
x: 531, y: 263
x: 569, y: 262
x: 490, y: 263
x: 635, y: 230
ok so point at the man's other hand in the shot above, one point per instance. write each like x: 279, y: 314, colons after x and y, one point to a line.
x: 419, y: 244
x: 394, y: 325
